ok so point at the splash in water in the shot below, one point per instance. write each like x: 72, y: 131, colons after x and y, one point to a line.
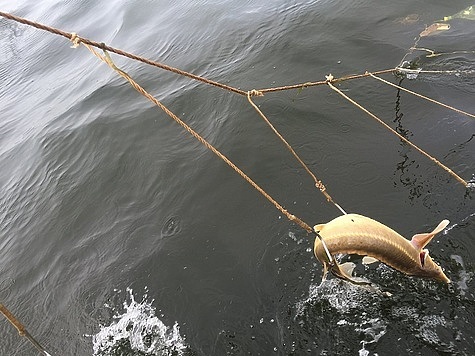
x: 352, y: 313
x: 138, y: 331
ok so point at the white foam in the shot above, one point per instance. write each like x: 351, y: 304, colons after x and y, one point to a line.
x: 448, y: 228
x: 464, y: 276
x: 425, y: 327
x: 139, y: 329
x: 357, y: 306
x: 294, y: 237
x: 342, y: 296
x: 372, y: 330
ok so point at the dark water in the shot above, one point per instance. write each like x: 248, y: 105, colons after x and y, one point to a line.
x: 122, y: 235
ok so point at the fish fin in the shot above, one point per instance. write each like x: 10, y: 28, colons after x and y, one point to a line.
x: 347, y: 268
x: 368, y: 260
x: 421, y: 240
x: 318, y: 227
x: 344, y: 272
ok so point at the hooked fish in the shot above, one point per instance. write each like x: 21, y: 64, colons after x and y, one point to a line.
x: 434, y: 28
x: 357, y: 234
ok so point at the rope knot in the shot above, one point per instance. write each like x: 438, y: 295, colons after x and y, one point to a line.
x: 75, y: 39
x: 255, y: 92
x: 329, y: 78
x: 320, y: 186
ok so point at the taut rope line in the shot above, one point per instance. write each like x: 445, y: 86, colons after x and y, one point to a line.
x: 76, y: 40
x: 329, y: 80
x: 417, y: 71
x: 208, y: 145
x: 107, y: 59
x: 89, y: 44
x: 421, y: 96
x: 447, y: 169
x: 318, y: 183
x: 142, y: 91
x: 323, y: 82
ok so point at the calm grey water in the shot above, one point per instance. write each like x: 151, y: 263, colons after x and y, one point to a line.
x: 122, y: 235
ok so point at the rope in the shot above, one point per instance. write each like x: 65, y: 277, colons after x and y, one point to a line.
x: 106, y: 58
x: 417, y: 71
x: 289, y: 216
x: 329, y: 80
x: 318, y: 183
x: 322, y: 82
x: 76, y: 40
x: 422, y: 96
x: 437, y: 54
x: 21, y: 329
x: 72, y: 36
x: 447, y: 169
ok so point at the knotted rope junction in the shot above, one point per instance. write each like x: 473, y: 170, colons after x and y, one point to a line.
x: 330, y: 81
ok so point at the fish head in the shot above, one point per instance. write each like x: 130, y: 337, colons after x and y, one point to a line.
x: 435, y: 28
x: 428, y: 267
x: 432, y: 269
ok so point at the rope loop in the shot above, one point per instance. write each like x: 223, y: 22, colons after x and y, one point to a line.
x: 75, y: 39
x: 255, y: 92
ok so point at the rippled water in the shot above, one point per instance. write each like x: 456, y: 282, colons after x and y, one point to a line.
x: 122, y: 235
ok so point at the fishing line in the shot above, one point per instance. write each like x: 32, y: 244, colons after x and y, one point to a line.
x: 329, y: 81
x: 441, y: 165
x: 318, y: 183
x: 107, y: 59
x: 422, y: 96
x: 77, y: 40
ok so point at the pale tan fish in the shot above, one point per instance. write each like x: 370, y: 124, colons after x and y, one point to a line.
x: 434, y: 28
x: 408, y: 20
x: 357, y: 234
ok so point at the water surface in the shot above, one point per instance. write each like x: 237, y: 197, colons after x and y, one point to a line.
x: 122, y: 235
